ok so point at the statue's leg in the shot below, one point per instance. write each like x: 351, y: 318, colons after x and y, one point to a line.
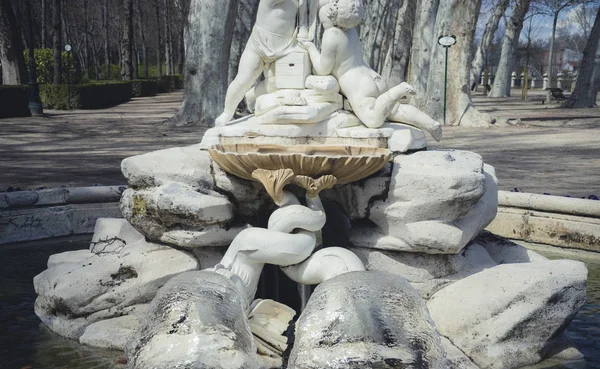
x: 251, y: 66
x: 323, y: 265
x: 409, y: 114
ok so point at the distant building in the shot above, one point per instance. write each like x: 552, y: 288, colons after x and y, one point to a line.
x: 564, y: 60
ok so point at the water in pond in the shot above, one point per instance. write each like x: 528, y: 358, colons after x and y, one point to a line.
x: 26, y: 344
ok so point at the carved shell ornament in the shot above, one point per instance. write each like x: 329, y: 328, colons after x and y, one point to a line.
x: 314, y: 168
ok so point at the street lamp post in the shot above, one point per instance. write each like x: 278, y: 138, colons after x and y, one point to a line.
x: 68, y: 50
x: 446, y: 42
x: 35, y: 105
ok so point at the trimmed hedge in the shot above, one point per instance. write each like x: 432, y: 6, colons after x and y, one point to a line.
x: 89, y: 96
x: 170, y: 83
x: 144, y: 87
x: 14, y: 101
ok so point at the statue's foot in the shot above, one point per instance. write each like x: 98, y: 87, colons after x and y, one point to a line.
x: 223, y: 119
x: 402, y: 90
x: 436, y: 131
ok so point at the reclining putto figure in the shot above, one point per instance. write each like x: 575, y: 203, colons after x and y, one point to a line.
x: 342, y: 56
x: 274, y: 34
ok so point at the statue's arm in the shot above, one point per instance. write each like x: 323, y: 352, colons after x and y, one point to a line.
x: 324, y: 61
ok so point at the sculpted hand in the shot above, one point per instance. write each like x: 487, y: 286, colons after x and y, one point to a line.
x: 306, y: 45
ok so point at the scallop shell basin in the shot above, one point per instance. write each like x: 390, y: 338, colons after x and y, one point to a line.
x: 346, y: 163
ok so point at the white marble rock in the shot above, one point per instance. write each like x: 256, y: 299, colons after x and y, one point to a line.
x: 438, y: 202
x: 427, y: 273
x: 80, y: 291
x: 197, y: 320
x: 114, y: 333
x: 510, y: 315
x: 366, y: 320
x: 188, y: 165
x: 179, y: 215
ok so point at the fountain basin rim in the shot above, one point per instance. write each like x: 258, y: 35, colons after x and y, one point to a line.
x: 347, y: 163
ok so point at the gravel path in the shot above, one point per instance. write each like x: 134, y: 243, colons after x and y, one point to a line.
x: 554, y: 151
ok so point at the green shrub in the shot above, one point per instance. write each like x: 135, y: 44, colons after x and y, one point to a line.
x: 14, y: 101
x: 144, y: 87
x: 44, y: 64
x: 96, y: 95
x: 170, y: 83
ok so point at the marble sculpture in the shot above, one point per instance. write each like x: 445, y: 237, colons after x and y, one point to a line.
x: 411, y: 284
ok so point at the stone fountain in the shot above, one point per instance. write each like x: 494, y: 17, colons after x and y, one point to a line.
x: 412, y: 284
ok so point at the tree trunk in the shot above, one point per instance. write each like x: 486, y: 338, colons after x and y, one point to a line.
x: 180, y: 53
x: 395, y: 66
x: 245, y: 17
x: 86, y: 46
x: 56, y: 41
x: 14, y: 71
x: 458, y: 18
x: 106, y: 41
x: 127, y: 41
x: 43, y: 24
x: 486, y: 41
x: 158, y: 56
x: 424, y: 41
x: 510, y: 43
x: 551, y: 52
x: 207, y: 46
x: 167, y: 39
x: 142, y: 38
x: 588, y: 81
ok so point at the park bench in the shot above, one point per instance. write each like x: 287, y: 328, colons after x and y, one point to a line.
x: 555, y: 95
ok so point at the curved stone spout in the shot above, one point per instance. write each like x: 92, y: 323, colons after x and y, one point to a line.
x: 289, y: 241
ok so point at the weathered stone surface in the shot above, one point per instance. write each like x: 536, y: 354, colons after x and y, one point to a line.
x: 504, y: 251
x: 248, y: 197
x: 366, y: 320
x: 114, y: 333
x: 437, y: 203
x: 513, y: 314
x: 188, y: 165
x: 456, y: 358
x: 197, y: 320
x: 179, y: 215
x: 112, y: 234
x: 36, y: 223
x: 80, y: 291
x: 357, y: 197
x: 427, y: 273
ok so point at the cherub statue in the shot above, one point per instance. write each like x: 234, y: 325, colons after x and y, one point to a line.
x: 342, y: 56
x: 274, y: 34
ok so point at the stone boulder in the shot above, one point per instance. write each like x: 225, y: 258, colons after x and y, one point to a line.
x: 427, y: 273
x: 179, y: 215
x: 187, y: 165
x: 82, y: 287
x: 511, y: 315
x: 366, y: 320
x: 197, y: 320
x: 437, y: 203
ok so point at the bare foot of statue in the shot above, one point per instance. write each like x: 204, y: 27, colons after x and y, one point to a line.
x: 436, y: 131
x: 400, y: 91
x: 223, y: 119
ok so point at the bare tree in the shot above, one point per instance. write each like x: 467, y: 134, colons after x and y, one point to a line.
x: 207, y: 47
x: 553, y: 8
x: 57, y: 41
x: 588, y: 81
x: 11, y: 47
x: 514, y: 26
x: 424, y: 41
x: 127, y: 41
x: 498, y: 11
x: 452, y: 17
